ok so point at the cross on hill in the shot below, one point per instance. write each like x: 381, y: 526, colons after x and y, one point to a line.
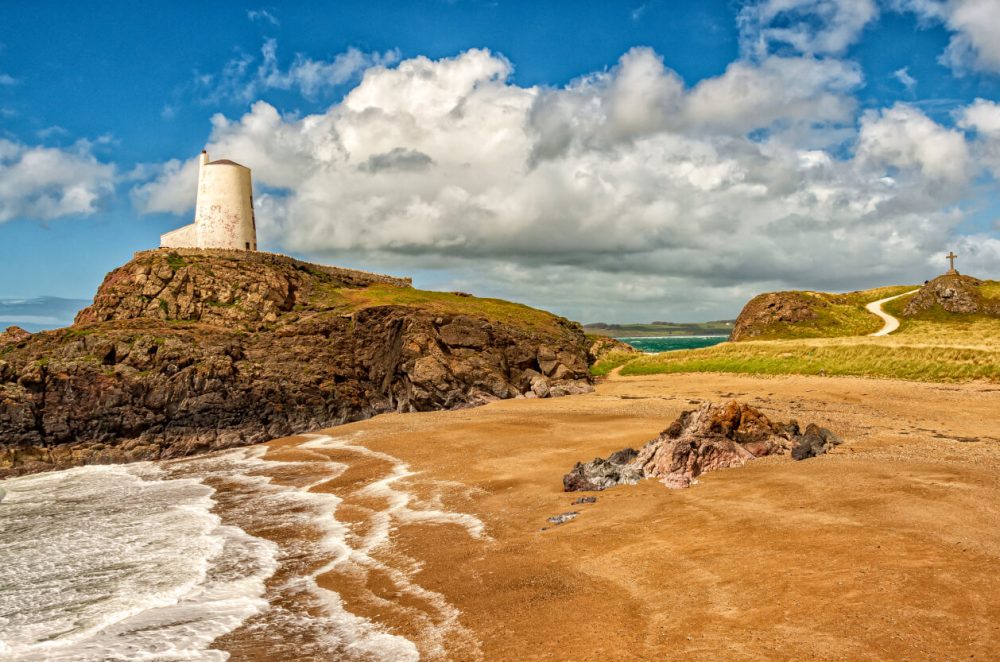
x: 951, y: 258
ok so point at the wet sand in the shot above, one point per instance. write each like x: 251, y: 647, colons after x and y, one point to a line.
x: 888, y: 548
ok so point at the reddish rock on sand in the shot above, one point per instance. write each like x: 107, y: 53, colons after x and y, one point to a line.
x: 715, y: 436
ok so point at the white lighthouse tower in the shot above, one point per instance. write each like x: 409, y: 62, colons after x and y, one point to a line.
x: 223, y: 216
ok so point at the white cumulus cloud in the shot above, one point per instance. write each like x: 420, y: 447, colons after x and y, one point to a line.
x: 983, y: 118
x: 623, y: 194
x: 903, y: 137
x: 975, y: 24
x: 812, y: 27
x: 48, y: 182
x: 172, y: 189
x: 246, y: 76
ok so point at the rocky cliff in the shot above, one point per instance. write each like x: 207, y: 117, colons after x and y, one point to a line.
x: 602, y: 346
x: 185, y: 351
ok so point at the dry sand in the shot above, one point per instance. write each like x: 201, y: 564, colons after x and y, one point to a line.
x: 886, y: 549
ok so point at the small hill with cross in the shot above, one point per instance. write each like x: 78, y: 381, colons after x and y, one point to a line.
x: 951, y: 294
x: 949, y: 331
x: 949, y: 298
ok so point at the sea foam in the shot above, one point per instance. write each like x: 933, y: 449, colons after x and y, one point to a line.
x: 118, y: 563
x: 156, y: 561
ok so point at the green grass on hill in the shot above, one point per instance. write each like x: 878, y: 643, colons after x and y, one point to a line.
x: 990, y: 289
x: 347, y: 300
x: 869, y: 358
x: 837, y: 315
x: 610, y: 361
x: 935, y: 346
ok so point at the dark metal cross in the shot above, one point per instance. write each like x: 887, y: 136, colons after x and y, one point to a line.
x: 951, y: 257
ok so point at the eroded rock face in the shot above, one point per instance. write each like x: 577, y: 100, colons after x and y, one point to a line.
x: 601, y: 346
x: 13, y: 335
x: 954, y: 293
x: 599, y: 474
x: 715, y: 436
x: 765, y: 310
x: 281, y: 353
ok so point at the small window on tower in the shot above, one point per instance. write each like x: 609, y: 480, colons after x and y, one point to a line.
x: 248, y: 245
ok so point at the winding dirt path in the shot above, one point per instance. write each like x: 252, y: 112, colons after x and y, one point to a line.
x: 891, y: 323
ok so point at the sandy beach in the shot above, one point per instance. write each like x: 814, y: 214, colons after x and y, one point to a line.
x: 885, y: 549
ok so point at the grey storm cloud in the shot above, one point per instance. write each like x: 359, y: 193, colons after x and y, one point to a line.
x: 398, y: 159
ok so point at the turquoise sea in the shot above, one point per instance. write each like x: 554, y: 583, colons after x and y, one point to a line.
x: 670, y: 343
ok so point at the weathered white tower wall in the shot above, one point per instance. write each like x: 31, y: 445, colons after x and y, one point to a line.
x: 224, y: 215
x: 185, y: 237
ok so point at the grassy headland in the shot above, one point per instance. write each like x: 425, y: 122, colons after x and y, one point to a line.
x: 805, y: 314
x: 454, y: 303
x: 933, y: 345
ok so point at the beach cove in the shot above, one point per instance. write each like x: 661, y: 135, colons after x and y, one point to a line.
x: 427, y: 535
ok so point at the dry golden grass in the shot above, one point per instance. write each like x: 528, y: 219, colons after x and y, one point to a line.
x: 858, y: 357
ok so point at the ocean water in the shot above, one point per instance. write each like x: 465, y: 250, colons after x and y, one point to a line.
x: 156, y: 561
x: 121, y: 563
x: 671, y: 343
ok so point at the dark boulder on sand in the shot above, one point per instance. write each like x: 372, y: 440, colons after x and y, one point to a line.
x: 814, y: 441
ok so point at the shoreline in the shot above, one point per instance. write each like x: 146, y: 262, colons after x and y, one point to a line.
x: 872, y: 536
x: 427, y: 535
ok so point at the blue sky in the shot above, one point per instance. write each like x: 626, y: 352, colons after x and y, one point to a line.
x: 607, y: 160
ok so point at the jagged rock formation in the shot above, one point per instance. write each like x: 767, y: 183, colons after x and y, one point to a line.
x: 715, y: 436
x: 954, y: 293
x: 13, y: 335
x: 218, y: 287
x: 601, y: 346
x: 765, y: 311
x: 187, y: 351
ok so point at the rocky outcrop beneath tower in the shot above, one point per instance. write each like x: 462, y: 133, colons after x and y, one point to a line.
x: 188, y: 351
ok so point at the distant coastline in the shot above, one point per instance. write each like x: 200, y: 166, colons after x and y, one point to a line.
x: 676, y: 335
x: 657, y: 344
x: 39, y: 313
